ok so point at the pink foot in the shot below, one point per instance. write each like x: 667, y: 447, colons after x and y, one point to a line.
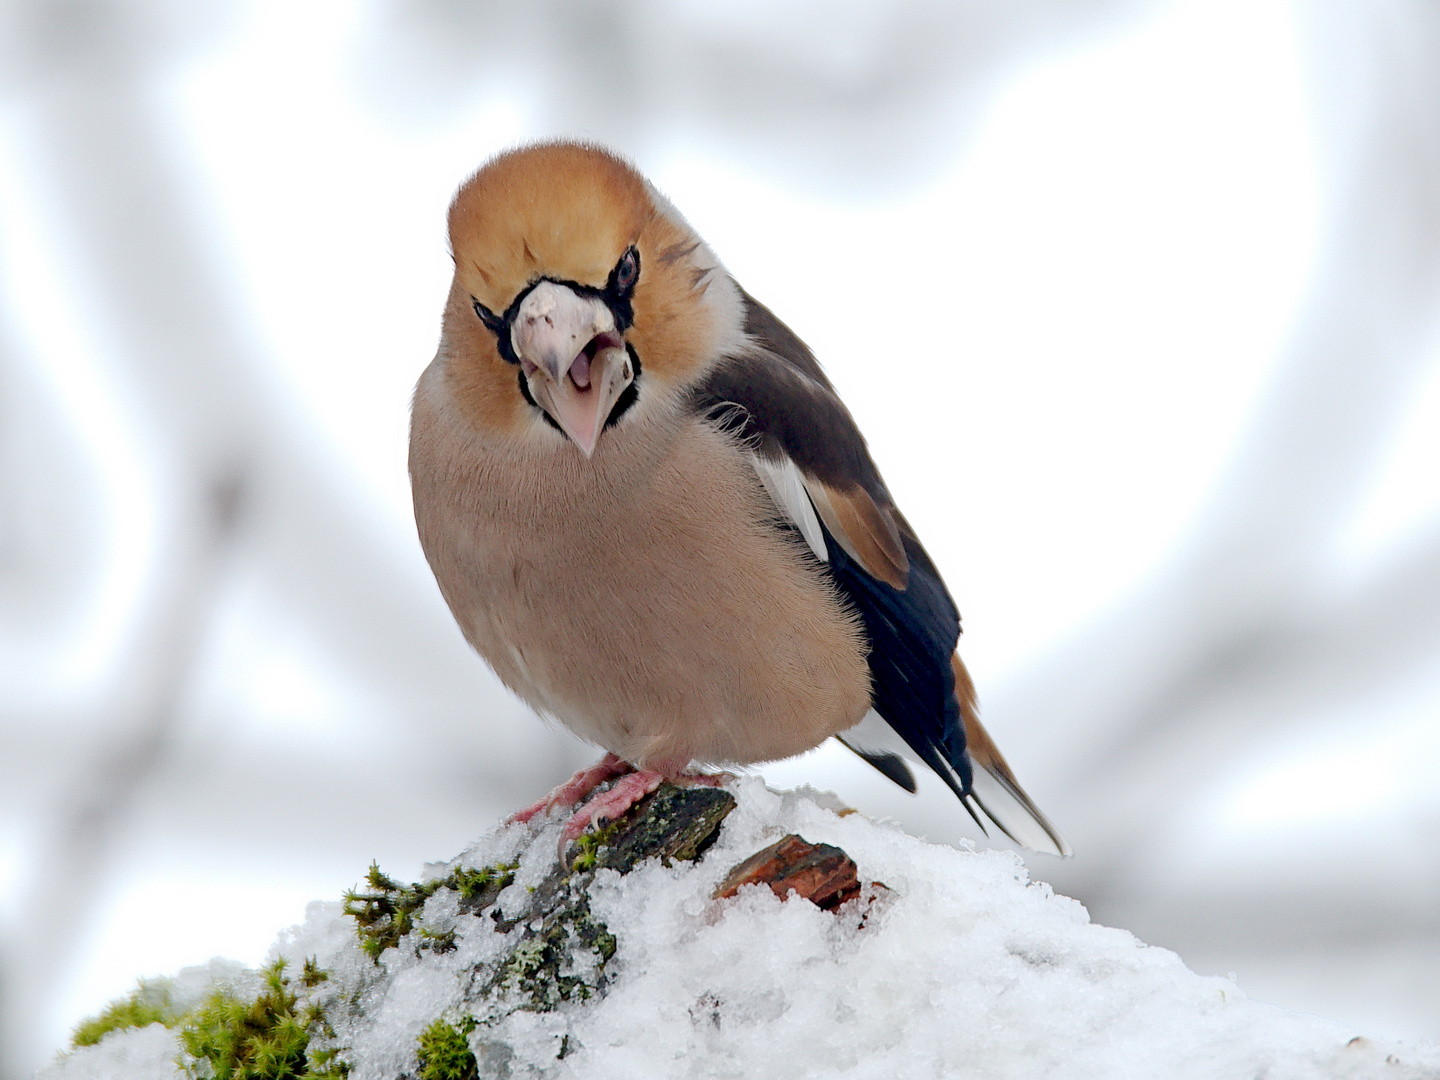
x: 611, y: 805
x: 625, y: 793
x: 576, y: 788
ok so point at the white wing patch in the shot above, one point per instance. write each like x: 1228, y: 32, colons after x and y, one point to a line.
x: 874, y: 736
x: 783, y: 481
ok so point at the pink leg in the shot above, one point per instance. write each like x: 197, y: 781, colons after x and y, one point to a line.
x: 576, y: 788
x: 626, y: 792
x: 611, y: 805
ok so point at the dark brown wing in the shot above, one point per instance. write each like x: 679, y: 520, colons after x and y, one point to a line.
x: 780, y: 400
x: 773, y: 394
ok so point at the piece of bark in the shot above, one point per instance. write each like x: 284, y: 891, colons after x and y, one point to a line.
x: 821, y: 873
x: 672, y: 823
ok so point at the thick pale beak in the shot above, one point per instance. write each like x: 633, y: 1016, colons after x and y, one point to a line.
x: 573, y: 357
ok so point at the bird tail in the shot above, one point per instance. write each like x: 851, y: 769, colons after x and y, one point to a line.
x: 995, y: 790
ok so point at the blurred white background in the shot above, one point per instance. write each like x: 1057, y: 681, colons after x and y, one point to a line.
x: 1138, y: 304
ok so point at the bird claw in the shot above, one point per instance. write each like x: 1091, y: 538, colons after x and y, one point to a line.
x: 610, y: 805
x: 624, y: 795
x: 630, y: 787
x: 574, y: 790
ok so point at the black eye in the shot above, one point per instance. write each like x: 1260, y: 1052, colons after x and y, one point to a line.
x: 626, y: 272
x: 494, y: 323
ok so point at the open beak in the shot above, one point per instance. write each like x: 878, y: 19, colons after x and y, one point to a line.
x: 573, y: 358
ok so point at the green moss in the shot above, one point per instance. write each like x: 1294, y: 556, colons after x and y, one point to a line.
x: 445, y: 1053
x: 386, y: 912
x: 148, y: 1003
x: 311, y: 974
x: 229, y: 1038
x: 590, y: 845
x: 472, y: 884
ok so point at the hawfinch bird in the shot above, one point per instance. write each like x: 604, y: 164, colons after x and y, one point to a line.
x: 652, y: 515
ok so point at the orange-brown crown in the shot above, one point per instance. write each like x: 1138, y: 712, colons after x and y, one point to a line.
x: 559, y: 210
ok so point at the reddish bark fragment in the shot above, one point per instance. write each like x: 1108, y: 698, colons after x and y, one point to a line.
x: 821, y: 873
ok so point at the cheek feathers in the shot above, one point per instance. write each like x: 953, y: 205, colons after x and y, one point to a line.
x: 680, y: 305
x: 486, y: 388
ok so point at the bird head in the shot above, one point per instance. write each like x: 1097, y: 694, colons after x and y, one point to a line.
x: 579, y: 293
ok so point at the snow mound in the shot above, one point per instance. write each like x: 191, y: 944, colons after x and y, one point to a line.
x: 964, y: 968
